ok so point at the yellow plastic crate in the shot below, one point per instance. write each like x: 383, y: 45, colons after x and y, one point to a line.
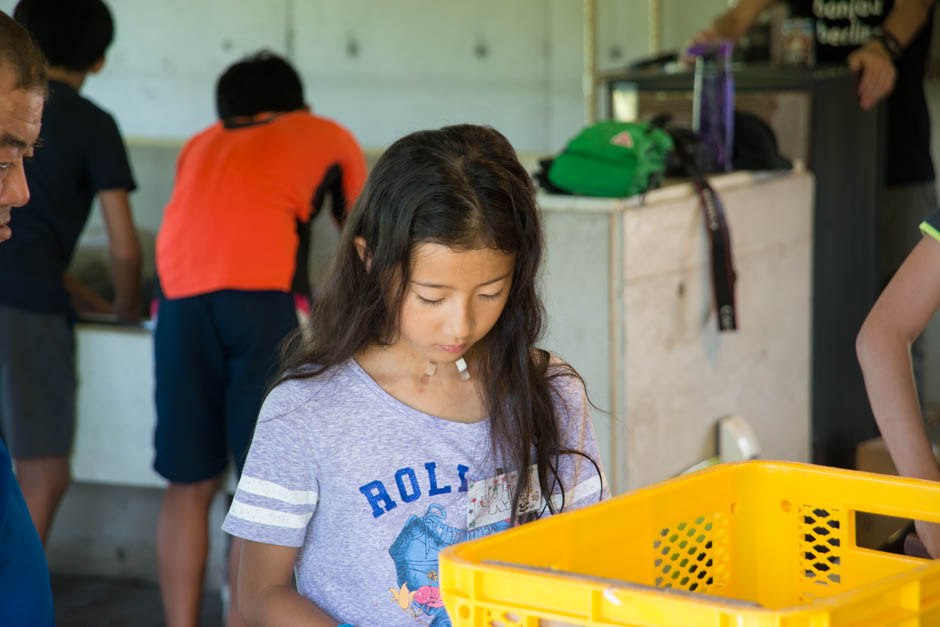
x: 755, y: 544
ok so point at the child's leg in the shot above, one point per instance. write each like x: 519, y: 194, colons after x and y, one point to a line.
x: 234, y: 558
x: 43, y: 481
x: 190, y: 446
x: 182, y: 547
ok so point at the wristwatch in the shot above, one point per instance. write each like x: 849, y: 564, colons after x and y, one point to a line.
x: 888, y: 41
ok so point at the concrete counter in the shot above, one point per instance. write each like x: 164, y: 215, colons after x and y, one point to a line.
x: 116, y: 414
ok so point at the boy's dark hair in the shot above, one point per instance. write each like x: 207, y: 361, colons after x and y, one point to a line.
x: 462, y: 187
x: 260, y: 82
x: 19, y: 52
x: 73, y: 34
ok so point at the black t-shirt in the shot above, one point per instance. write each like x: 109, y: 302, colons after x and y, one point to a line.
x: 844, y: 25
x: 80, y: 153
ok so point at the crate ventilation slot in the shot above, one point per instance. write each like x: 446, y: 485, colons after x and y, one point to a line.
x: 685, y: 556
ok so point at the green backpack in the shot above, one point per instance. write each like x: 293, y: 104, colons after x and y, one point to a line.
x: 614, y: 159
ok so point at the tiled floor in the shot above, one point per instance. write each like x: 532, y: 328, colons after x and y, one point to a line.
x: 105, y: 602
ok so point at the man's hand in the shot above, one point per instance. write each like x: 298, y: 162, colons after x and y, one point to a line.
x: 702, y: 37
x: 877, y: 71
x: 85, y: 299
x: 731, y: 24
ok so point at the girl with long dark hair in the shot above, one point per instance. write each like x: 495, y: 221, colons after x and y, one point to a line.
x: 417, y: 411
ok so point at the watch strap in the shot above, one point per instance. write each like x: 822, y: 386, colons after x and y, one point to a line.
x: 888, y: 41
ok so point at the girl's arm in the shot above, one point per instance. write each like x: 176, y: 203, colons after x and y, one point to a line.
x: 883, y: 347
x: 266, y: 593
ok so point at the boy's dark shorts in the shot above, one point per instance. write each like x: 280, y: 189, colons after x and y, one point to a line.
x: 37, y: 383
x: 215, y: 355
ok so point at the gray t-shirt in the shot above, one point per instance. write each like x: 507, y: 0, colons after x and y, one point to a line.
x: 371, y: 490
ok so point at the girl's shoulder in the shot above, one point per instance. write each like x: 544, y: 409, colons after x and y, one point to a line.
x: 302, y: 387
x: 566, y: 385
x: 562, y: 377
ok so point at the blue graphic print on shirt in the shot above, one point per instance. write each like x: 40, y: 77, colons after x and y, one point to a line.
x: 415, y: 553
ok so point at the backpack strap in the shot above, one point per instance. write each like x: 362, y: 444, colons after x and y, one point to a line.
x: 719, y: 238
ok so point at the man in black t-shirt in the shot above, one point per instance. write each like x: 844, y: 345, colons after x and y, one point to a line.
x: 887, y: 43
x: 878, y: 36
x: 81, y: 155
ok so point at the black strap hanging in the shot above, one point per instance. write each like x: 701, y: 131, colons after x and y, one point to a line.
x: 687, y: 162
x: 719, y: 237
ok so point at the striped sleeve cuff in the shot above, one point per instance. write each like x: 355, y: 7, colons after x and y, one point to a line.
x: 265, y: 511
x: 928, y: 229
x: 585, y: 493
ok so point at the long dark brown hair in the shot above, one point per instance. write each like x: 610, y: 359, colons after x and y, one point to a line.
x: 462, y: 187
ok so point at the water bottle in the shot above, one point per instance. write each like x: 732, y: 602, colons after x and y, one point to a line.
x: 713, y: 103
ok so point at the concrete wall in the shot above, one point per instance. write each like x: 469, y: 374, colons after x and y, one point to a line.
x: 382, y: 69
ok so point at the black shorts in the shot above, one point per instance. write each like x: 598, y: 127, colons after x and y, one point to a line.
x: 215, y: 355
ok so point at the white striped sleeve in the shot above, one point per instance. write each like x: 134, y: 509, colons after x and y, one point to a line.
x: 278, y: 492
x: 269, y: 489
x: 585, y: 493
x: 268, y: 516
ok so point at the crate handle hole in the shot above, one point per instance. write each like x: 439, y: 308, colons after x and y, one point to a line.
x: 734, y: 508
x: 887, y: 534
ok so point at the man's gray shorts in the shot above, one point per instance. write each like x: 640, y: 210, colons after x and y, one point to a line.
x: 37, y: 383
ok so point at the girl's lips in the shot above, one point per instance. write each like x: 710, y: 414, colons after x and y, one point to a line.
x: 452, y: 348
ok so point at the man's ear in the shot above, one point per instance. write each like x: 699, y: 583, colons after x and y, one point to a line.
x: 96, y: 66
x: 363, y: 249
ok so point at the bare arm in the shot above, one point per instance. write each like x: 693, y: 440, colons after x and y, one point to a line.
x: 907, y: 17
x: 735, y: 21
x: 125, y: 252
x: 266, y: 593
x: 883, y: 346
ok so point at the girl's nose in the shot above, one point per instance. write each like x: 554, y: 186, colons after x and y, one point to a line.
x: 460, y: 322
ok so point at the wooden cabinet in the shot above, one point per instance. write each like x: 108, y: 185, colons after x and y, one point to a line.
x: 627, y: 287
